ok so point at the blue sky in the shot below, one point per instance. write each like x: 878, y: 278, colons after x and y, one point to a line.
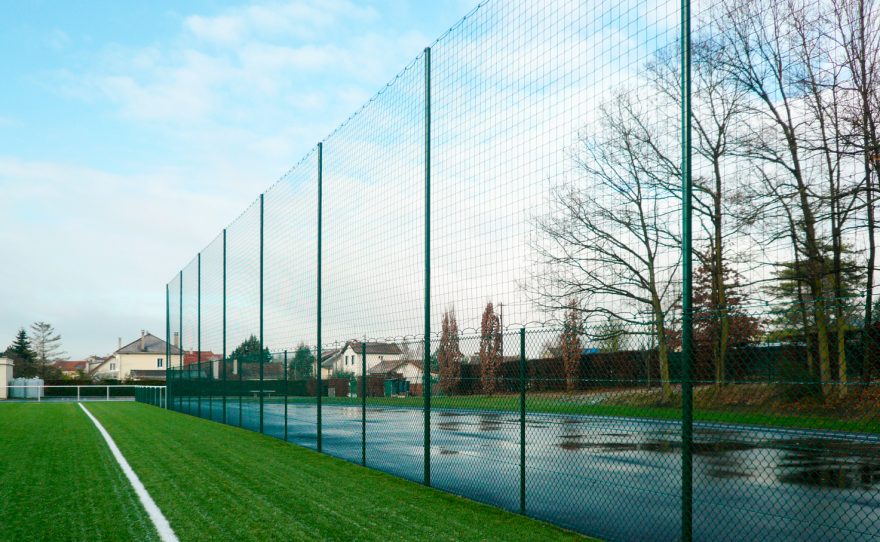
x: 132, y: 132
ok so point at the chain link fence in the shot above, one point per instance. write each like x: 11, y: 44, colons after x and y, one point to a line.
x: 502, y: 277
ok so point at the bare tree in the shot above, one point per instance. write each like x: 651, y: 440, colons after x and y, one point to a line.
x: 718, y: 108
x: 857, y: 25
x: 46, y: 344
x: 490, y: 348
x: 759, y: 50
x: 611, y: 241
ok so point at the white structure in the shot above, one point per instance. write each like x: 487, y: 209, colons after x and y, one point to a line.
x: 408, y: 369
x: 146, y: 356
x: 5, y: 377
x: 348, y: 358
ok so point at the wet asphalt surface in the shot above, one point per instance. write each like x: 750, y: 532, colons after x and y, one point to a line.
x: 615, y: 478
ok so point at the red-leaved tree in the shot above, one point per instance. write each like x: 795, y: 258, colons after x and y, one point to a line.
x: 449, y: 354
x: 490, y: 348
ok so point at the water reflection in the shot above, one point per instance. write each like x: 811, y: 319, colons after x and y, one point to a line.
x: 830, y: 463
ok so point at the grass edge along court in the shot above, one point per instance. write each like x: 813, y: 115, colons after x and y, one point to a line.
x: 214, y: 482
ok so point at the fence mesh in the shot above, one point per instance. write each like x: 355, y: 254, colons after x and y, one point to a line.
x: 479, y: 281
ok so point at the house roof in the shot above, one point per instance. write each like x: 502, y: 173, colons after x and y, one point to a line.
x: 391, y: 365
x: 206, y: 355
x: 152, y: 345
x: 385, y: 366
x: 72, y: 365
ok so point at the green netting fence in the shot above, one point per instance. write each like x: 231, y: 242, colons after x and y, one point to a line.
x: 607, y: 264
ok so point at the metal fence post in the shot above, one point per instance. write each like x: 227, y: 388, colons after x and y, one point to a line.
x: 77, y: 393
x: 167, y: 335
x: 224, y: 326
x: 320, y: 225
x: 522, y: 420
x: 262, y: 360
x: 426, y: 386
x: 364, y: 403
x: 180, y: 338
x: 199, y: 330
x: 687, y: 280
x: 285, y: 395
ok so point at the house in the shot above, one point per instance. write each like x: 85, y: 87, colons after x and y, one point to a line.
x: 72, y: 369
x: 144, y: 354
x: 348, y: 358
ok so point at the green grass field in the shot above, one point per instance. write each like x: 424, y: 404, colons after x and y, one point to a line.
x: 58, y: 480
x: 213, y: 482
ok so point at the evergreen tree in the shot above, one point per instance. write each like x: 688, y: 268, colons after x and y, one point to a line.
x: 249, y: 352
x: 303, y: 363
x: 22, y: 355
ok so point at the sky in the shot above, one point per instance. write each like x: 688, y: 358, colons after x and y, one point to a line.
x: 132, y: 132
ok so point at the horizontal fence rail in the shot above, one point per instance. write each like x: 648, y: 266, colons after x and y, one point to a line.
x: 609, y: 264
x: 88, y: 392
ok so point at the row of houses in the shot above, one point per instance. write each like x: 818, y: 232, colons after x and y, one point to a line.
x: 141, y: 359
x: 145, y: 359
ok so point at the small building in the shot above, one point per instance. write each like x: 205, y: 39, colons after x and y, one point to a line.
x: 148, y: 353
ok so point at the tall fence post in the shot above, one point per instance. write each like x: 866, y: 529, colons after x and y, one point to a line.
x: 199, y: 331
x: 522, y: 420
x: 285, y: 395
x: 167, y: 335
x: 261, y: 358
x: 180, y: 341
x: 687, y: 282
x: 224, y: 326
x: 318, y: 390
x: 364, y: 403
x: 426, y: 386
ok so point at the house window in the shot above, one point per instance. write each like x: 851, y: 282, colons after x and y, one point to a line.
x: 159, y: 362
x: 112, y: 366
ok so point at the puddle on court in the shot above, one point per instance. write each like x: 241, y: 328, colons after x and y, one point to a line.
x: 817, y: 462
x: 449, y: 426
x: 490, y: 422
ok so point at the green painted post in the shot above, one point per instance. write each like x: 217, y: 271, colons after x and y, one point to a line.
x: 687, y: 282
x: 224, y: 325
x: 262, y: 361
x: 320, y: 225
x: 180, y: 340
x: 285, y: 395
x: 364, y: 403
x: 427, y: 331
x: 522, y: 420
x: 167, y: 337
x: 240, y: 390
x: 199, y: 329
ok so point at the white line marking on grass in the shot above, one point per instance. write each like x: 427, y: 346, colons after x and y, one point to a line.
x: 158, y: 519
